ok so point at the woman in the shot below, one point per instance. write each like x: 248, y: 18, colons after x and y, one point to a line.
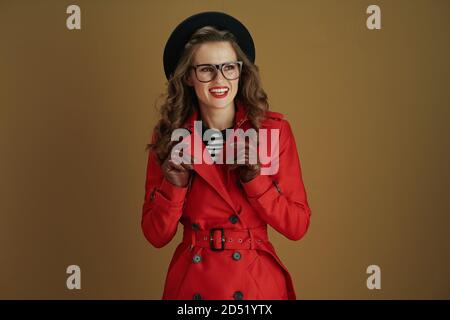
x: 224, y: 208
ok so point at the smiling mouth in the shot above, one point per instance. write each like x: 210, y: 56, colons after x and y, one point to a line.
x: 219, y: 92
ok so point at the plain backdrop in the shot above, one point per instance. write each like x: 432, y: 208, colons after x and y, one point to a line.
x: 369, y: 110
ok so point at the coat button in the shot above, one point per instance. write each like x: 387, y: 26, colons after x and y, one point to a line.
x: 195, y: 226
x: 236, y: 256
x: 233, y: 219
x: 197, y: 296
x: 196, y: 258
x: 238, y: 295
x: 152, y: 194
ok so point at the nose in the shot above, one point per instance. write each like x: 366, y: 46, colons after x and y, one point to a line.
x: 219, y: 76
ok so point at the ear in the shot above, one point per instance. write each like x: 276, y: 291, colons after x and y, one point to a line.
x: 188, y: 80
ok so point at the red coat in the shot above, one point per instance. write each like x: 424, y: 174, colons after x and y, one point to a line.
x: 216, y: 198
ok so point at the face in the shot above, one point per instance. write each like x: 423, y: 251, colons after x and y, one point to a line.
x: 207, y: 92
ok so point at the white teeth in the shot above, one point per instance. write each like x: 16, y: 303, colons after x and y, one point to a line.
x: 219, y: 90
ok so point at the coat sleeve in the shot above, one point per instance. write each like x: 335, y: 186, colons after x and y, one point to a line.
x: 281, y: 199
x: 163, y: 205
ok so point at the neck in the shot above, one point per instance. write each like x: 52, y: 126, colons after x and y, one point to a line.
x: 218, y: 118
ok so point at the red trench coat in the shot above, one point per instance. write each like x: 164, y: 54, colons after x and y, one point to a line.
x: 230, y: 266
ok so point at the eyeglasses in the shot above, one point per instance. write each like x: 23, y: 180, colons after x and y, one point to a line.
x: 208, y: 72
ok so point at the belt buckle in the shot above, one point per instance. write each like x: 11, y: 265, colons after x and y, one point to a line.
x: 211, y: 239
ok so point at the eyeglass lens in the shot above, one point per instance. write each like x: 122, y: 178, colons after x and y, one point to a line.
x: 230, y: 71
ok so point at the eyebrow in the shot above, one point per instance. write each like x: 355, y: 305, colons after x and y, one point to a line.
x: 201, y: 64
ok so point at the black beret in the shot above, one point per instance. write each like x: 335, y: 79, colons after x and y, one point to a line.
x: 183, y: 32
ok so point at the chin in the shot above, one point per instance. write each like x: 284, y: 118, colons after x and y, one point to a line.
x: 219, y: 104
x: 222, y: 105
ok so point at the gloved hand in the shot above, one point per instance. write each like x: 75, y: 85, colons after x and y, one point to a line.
x: 177, y: 174
x: 242, y: 150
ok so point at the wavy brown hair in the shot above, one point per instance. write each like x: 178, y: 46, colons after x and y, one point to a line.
x: 180, y: 100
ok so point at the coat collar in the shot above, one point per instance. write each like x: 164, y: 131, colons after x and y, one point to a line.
x: 212, y: 173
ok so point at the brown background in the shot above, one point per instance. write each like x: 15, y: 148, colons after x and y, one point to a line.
x: 369, y: 110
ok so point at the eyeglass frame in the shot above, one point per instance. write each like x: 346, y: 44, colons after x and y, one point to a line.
x: 218, y: 67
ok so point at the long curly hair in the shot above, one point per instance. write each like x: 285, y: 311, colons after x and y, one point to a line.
x: 180, y: 99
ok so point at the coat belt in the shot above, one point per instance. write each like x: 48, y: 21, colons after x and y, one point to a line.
x: 218, y: 239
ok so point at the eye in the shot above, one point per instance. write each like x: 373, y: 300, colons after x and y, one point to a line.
x: 230, y: 67
x: 206, y: 69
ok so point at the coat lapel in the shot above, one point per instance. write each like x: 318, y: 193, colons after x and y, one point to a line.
x: 211, y: 173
